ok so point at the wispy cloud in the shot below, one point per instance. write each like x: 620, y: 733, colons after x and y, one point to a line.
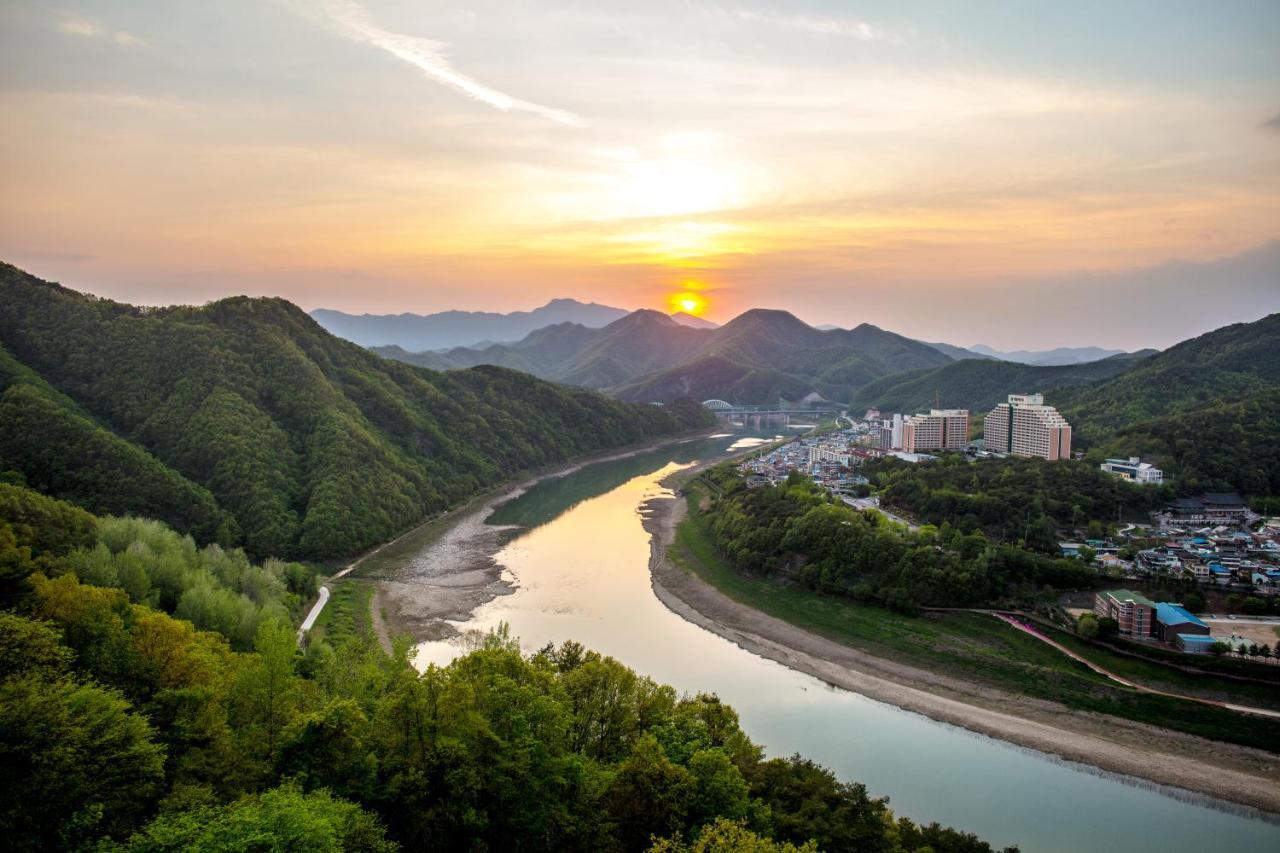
x: 351, y: 20
x: 1272, y: 124
x: 841, y: 27
x: 75, y: 25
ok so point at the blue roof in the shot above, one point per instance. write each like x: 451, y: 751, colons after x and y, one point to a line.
x: 1174, y: 614
x: 1196, y: 639
x: 1219, y: 570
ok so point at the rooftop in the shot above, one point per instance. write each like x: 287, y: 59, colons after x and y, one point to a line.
x: 1173, y: 614
x: 1130, y: 595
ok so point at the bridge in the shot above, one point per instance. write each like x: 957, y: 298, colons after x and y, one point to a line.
x: 759, y: 414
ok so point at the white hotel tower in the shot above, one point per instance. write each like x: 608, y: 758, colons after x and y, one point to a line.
x: 1025, y: 426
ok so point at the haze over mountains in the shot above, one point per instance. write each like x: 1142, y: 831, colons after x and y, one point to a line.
x: 423, y: 332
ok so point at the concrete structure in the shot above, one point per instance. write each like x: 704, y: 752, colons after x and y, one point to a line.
x: 1025, y: 426
x: 1173, y: 620
x: 1133, y: 611
x: 1134, y: 469
x: 941, y: 429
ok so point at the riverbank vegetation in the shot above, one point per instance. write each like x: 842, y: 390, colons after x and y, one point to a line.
x: 797, y: 531
x: 126, y: 728
x: 1012, y: 500
x: 973, y: 647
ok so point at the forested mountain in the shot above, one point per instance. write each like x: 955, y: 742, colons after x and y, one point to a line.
x: 979, y: 384
x: 246, y: 423
x: 1225, y: 364
x: 757, y: 357
x: 420, y: 332
x: 1205, y: 409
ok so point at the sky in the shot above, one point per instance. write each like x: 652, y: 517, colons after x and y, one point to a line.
x: 1024, y: 175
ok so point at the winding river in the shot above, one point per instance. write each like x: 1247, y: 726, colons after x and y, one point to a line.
x: 576, y: 560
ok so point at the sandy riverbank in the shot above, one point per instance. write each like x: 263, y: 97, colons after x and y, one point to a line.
x: 447, y: 567
x: 1233, y: 773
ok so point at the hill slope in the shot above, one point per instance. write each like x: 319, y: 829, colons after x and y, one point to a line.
x: 978, y: 384
x: 245, y: 414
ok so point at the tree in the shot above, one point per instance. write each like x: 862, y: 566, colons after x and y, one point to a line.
x: 649, y: 795
x: 281, y: 819
x: 728, y: 836
x: 1108, y: 628
x: 75, y: 763
x: 1087, y: 625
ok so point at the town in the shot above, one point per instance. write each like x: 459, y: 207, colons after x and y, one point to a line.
x: 1210, y: 547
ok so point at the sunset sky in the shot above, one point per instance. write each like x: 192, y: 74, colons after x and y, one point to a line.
x: 1017, y: 174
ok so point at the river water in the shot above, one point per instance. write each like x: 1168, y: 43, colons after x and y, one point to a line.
x: 579, y: 564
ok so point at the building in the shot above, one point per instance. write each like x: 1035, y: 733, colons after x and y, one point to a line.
x: 891, y: 433
x: 1194, y: 644
x: 1174, y: 619
x: 1213, y: 508
x: 941, y: 429
x: 1133, y: 611
x: 1134, y: 469
x: 1025, y: 426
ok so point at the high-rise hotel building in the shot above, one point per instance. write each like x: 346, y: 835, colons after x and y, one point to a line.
x: 1025, y: 426
x: 941, y: 429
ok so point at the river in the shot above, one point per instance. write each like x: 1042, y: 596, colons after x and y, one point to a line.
x: 577, y: 563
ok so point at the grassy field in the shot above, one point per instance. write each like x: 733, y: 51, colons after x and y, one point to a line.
x: 347, y: 613
x: 979, y: 648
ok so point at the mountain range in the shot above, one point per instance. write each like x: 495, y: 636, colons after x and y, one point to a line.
x: 760, y: 356
x: 447, y: 329
x: 246, y: 423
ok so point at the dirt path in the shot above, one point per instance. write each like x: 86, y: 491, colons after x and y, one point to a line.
x: 1238, y: 774
x: 1028, y: 629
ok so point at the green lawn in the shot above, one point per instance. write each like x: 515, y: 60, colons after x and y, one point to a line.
x: 347, y: 613
x: 971, y: 646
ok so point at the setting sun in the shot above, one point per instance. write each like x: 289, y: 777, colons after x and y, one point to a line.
x: 688, y: 302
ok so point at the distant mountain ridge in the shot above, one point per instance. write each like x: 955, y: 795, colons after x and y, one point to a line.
x: 419, y: 332
x: 758, y: 357
x: 1048, y: 357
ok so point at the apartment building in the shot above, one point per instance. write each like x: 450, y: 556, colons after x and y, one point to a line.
x: 941, y: 429
x: 1025, y: 426
x: 1133, y: 611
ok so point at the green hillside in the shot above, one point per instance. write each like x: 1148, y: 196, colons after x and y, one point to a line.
x: 1226, y: 364
x: 244, y: 421
x: 979, y: 384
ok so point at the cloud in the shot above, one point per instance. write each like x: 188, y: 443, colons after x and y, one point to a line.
x: 74, y: 25
x: 1272, y: 124
x: 839, y: 27
x: 351, y: 20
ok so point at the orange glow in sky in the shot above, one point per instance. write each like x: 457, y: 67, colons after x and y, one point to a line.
x: 688, y: 302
